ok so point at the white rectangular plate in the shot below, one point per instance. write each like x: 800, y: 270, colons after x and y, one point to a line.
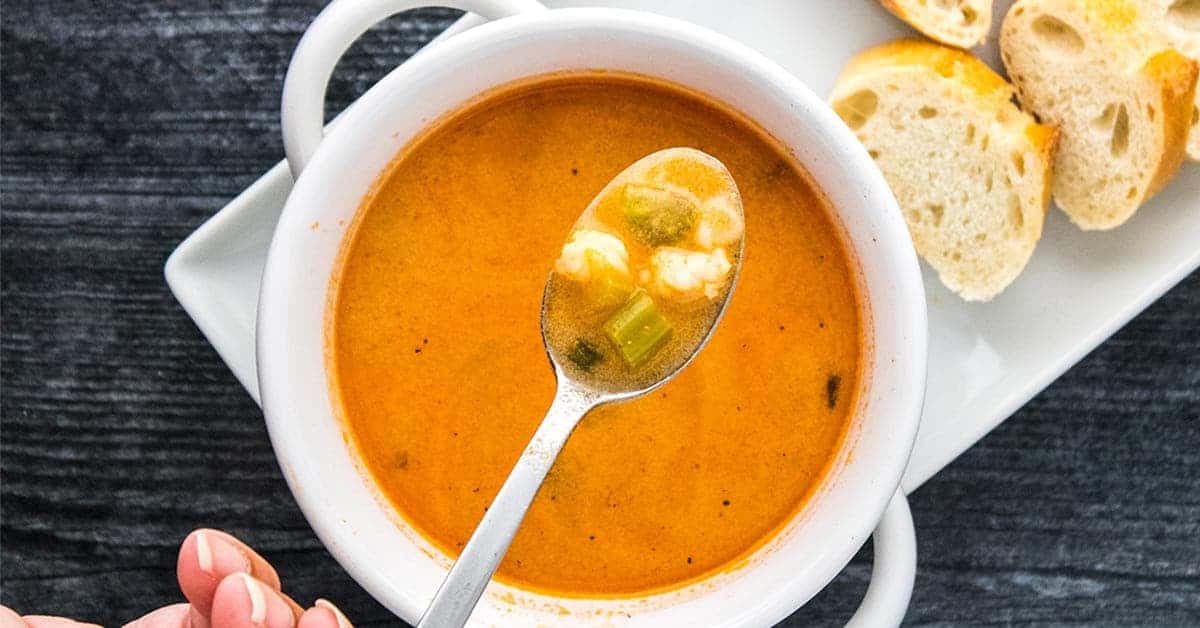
x: 985, y: 360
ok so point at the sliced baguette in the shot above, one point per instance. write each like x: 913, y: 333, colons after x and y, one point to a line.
x: 1179, y: 20
x: 1120, y: 96
x: 969, y: 169
x: 962, y: 23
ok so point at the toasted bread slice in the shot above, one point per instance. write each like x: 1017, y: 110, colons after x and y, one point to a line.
x: 1120, y: 96
x: 1179, y: 20
x: 970, y: 170
x: 962, y: 23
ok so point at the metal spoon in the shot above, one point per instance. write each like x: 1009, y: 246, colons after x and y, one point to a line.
x: 576, y: 395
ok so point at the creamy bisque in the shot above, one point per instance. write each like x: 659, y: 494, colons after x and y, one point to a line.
x: 438, y: 364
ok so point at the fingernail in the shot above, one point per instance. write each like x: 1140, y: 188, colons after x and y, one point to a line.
x: 217, y: 557
x: 258, y: 600
x: 341, y: 619
x: 204, y: 553
x: 242, y: 600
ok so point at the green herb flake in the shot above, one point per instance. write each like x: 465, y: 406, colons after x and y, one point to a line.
x: 584, y: 354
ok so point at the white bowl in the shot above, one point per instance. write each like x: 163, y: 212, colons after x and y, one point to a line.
x: 377, y: 547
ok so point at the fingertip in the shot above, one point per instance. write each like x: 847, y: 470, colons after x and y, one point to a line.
x: 297, y: 610
x: 318, y: 618
x: 242, y: 601
x: 342, y: 620
x: 208, y: 556
x: 201, y: 567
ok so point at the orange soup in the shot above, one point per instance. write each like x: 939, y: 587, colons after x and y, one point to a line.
x: 439, y: 369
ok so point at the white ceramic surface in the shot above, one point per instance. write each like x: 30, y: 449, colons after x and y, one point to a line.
x: 344, y: 507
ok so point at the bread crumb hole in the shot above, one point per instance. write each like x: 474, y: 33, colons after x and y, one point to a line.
x: 1120, y: 132
x: 981, y: 237
x: 1132, y: 193
x: 988, y: 184
x: 873, y: 153
x: 983, y: 144
x: 956, y: 256
x: 1185, y: 14
x: 970, y: 133
x: 927, y: 112
x: 1016, y: 217
x: 914, y: 216
x: 1057, y: 35
x: 937, y: 211
x: 1103, y: 123
x: 1019, y: 163
x: 857, y: 108
x: 1019, y: 12
x: 969, y: 15
x: 1151, y: 112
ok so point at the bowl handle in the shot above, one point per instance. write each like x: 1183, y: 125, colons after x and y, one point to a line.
x: 894, y: 569
x: 327, y: 38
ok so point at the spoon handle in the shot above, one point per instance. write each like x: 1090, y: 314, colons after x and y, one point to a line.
x: 473, y: 570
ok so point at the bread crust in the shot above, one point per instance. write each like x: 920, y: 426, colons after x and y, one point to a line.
x: 1045, y: 138
x: 1186, y: 41
x: 949, y: 62
x: 969, y: 37
x: 1176, y: 76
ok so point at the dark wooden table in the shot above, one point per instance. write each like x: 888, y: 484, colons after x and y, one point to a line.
x: 127, y: 123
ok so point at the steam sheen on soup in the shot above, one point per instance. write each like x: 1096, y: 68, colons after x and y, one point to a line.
x: 441, y: 377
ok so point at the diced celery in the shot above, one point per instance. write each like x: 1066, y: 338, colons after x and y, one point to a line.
x: 657, y: 216
x: 584, y: 354
x: 638, y: 330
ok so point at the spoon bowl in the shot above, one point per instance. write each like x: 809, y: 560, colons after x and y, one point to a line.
x: 615, y: 247
x: 583, y: 386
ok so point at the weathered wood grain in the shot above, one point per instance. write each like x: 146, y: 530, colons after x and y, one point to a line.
x: 126, y: 124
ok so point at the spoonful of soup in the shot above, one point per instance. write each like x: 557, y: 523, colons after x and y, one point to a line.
x: 638, y: 289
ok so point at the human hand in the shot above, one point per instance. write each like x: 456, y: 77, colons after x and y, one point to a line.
x: 226, y: 584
